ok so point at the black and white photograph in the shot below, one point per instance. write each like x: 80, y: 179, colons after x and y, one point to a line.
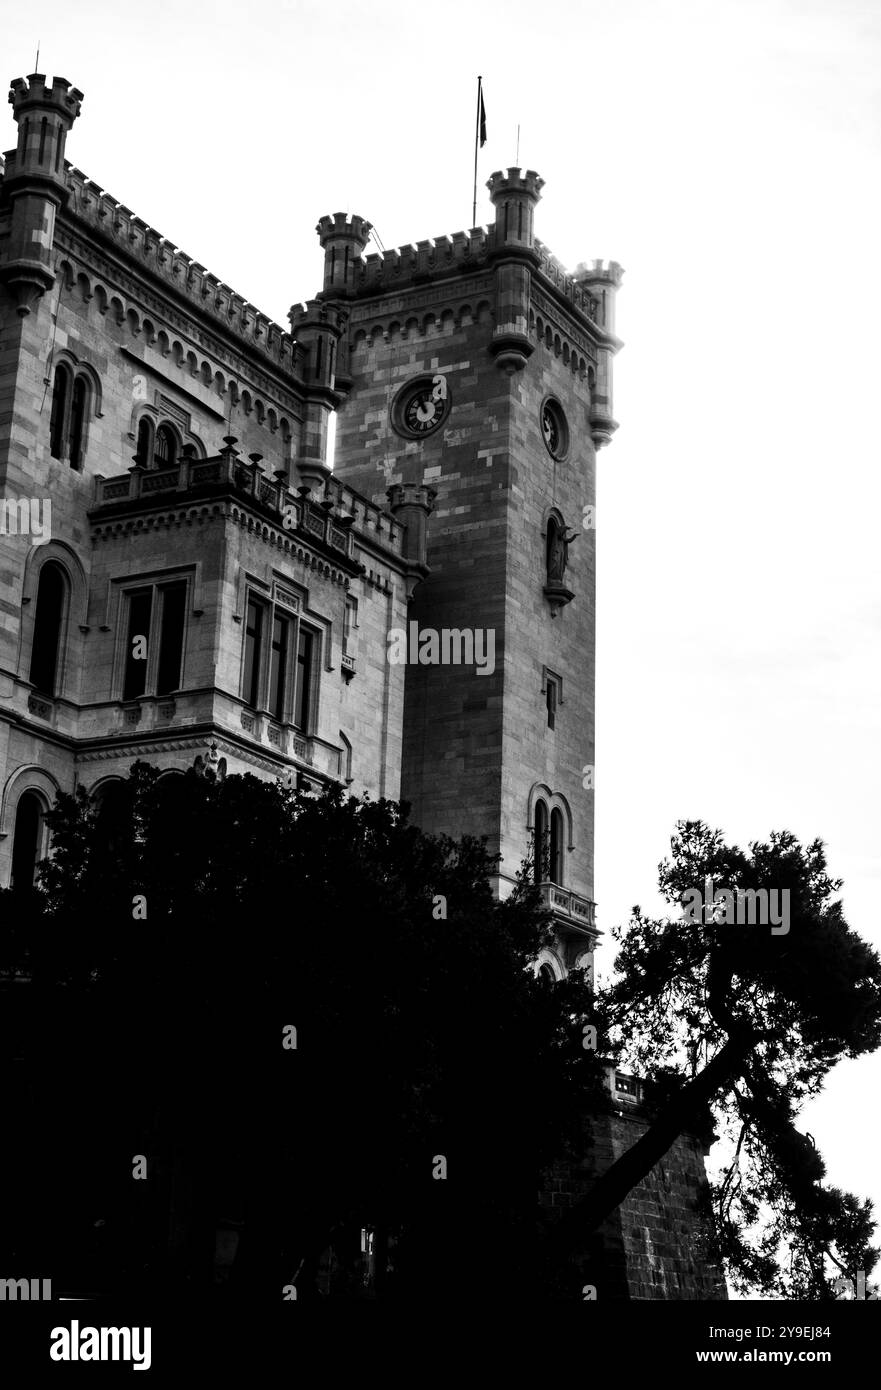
x: 440, y: 683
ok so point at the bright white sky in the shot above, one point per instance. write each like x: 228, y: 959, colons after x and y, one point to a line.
x: 726, y: 152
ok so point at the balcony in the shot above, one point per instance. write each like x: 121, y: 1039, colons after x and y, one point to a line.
x: 227, y: 473
x: 570, y: 910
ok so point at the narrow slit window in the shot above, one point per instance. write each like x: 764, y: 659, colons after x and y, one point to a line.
x: 551, y: 693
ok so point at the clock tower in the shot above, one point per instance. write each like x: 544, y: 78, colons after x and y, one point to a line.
x: 474, y: 376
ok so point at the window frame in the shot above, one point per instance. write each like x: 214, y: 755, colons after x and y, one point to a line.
x: 157, y: 588
x: 274, y: 610
x: 551, y: 678
x: 277, y: 701
x: 312, y: 678
x: 71, y: 415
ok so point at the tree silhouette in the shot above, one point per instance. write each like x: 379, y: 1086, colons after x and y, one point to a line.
x: 769, y: 1014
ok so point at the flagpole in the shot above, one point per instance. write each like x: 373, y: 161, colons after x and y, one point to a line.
x: 476, y: 140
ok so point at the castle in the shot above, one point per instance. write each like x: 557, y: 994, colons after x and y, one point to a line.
x: 188, y: 582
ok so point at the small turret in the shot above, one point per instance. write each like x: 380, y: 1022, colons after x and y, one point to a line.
x: 412, y: 504
x: 343, y: 242
x: 318, y: 327
x: 602, y: 281
x: 34, y: 183
x: 514, y: 197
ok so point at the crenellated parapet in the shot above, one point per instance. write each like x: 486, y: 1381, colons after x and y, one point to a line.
x: 117, y: 224
x: 427, y: 260
x: 583, y: 288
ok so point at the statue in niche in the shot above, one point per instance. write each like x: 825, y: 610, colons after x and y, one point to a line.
x: 559, y: 541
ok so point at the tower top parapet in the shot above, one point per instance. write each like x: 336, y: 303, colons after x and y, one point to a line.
x: 341, y: 225
x: 31, y: 93
x: 599, y: 273
x: 529, y: 183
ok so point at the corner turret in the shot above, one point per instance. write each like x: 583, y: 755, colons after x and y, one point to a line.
x: 514, y: 196
x: 343, y: 242
x: 34, y: 183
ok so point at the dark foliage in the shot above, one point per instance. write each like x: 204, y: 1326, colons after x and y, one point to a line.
x: 416, y: 1036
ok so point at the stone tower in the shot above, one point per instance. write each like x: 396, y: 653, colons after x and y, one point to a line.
x: 478, y: 381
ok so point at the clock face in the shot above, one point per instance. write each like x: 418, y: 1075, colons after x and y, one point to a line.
x: 422, y: 412
x: 550, y: 429
x: 421, y: 406
x: 554, y: 430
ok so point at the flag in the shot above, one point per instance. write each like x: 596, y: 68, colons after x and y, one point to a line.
x: 482, y: 120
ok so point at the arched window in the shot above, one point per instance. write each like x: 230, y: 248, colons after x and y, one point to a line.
x: 68, y: 423
x: 61, y: 393
x: 547, y: 973
x: 145, y: 442
x: 47, y: 628
x: 555, y: 856
x: 27, y: 841
x: 79, y: 405
x: 165, y: 448
x: 541, y: 841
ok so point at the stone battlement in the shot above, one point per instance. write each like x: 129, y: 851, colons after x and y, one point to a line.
x: 514, y: 181
x: 117, y: 223
x: 31, y: 93
x: 576, y: 287
x: 358, y: 228
x: 444, y: 256
x: 426, y: 260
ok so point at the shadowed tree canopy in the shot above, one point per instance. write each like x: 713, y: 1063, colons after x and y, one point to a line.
x: 184, y: 932
x: 180, y: 929
x: 749, y: 1022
